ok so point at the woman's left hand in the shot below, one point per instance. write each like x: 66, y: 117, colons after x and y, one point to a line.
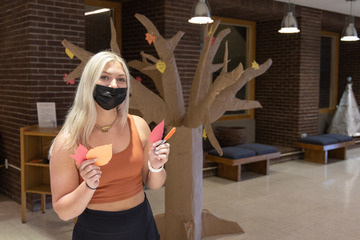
x: 158, y: 154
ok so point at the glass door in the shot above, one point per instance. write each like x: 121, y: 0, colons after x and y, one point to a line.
x: 97, y: 22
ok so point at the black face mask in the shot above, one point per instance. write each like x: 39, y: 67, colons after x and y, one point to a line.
x: 109, y: 98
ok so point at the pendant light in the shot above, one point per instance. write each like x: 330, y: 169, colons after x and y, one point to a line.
x: 289, y: 23
x: 349, y: 33
x: 200, y: 13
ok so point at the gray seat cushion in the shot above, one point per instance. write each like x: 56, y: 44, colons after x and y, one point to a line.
x: 325, y: 139
x: 245, y: 150
x: 340, y: 138
x: 260, y: 149
x: 234, y: 152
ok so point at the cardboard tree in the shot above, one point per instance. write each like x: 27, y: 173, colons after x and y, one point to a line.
x: 184, y: 216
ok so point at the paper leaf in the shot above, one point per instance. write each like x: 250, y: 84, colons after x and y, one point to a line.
x: 207, y: 38
x: 157, y: 132
x: 69, y: 53
x: 71, y: 81
x: 210, y: 30
x: 255, y: 65
x: 80, y: 154
x: 102, y: 153
x: 161, y: 66
x: 150, y: 38
x: 204, y: 134
x: 212, y: 41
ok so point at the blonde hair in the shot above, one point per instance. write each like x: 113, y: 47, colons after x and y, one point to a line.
x: 82, y: 115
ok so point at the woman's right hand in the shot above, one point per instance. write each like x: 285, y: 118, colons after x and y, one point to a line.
x: 90, y: 173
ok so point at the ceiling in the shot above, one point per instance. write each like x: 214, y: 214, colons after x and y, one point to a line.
x: 338, y: 6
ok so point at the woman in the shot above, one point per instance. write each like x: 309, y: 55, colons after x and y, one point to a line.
x: 109, y: 201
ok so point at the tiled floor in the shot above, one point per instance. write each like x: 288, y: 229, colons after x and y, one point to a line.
x: 296, y: 201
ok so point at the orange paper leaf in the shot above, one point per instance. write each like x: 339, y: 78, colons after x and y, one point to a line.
x: 102, y: 153
x: 150, y: 38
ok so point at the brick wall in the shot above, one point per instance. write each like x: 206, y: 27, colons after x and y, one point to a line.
x: 278, y: 89
x: 289, y: 90
x: 33, y: 63
x: 309, y: 70
x: 13, y: 107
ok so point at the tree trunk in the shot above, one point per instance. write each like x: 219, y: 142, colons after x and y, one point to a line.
x: 184, y: 217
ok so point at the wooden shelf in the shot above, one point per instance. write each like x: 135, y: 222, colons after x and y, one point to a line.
x: 34, y: 130
x: 37, y: 164
x: 35, y: 176
x: 41, y: 189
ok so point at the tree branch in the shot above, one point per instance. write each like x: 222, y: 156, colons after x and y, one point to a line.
x: 204, y: 70
x: 225, y: 98
x: 155, y: 75
x: 172, y: 89
x: 196, y: 114
x: 147, y: 102
x: 213, y: 141
x: 219, y: 107
x: 81, y: 54
x: 113, y: 42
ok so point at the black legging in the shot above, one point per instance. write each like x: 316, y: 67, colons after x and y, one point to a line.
x: 136, y: 223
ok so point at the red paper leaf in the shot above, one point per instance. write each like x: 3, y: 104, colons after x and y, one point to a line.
x: 157, y: 132
x: 71, y: 81
x: 80, y: 154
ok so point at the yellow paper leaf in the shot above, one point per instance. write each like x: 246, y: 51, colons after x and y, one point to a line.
x: 204, y: 134
x: 161, y: 66
x: 70, y: 54
x: 210, y: 31
x: 255, y: 65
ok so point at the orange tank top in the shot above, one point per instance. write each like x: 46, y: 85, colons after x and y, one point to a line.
x: 121, y: 178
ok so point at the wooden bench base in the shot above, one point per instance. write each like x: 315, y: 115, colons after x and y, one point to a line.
x: 321, y: 153
x: 231, y: 168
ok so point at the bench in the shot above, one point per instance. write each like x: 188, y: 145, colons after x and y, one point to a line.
x: 319, y: 148
x: 256, y: 157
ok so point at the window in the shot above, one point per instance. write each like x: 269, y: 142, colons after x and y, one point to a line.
x: 97, y: 24
x: 241, y: 45
x: 328, y: 71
